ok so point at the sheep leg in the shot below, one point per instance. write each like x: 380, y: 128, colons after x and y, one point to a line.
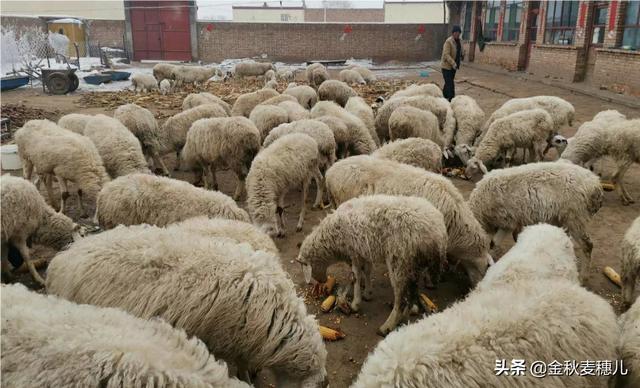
x: 214, y: 181
x: 157, y: 161
x: 6, y: 267
x: 320, y: 188
x: 628, y: 287
x: 618, y: 181
x: 27, y: 171
x: 22, y: 247
x: 83, y: 211
x: 303, y: 205
x: 399, y: 284
x: 366, y: 274
x: 177, y: 166
x: 64, y: 192
x: 357, y: 291
x: 280, y: 211
x: 240, y: 188
x: 577, y: 232
x: 49, y: 187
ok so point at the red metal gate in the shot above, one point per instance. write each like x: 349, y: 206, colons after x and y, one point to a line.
x: 161, y: 30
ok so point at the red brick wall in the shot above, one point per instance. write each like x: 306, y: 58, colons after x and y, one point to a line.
x: 556, y: 61
x: 506, y: 55
x: 308, y: 41
x: 355, y: 15
x: 106, y: 32
x: 618, y: 70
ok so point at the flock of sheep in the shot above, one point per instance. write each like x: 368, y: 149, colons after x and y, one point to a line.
x: 181, y: 272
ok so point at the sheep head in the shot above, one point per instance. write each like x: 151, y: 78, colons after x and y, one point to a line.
x: 474, y: 167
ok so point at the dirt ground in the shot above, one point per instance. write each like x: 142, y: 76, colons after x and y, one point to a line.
x: 490, y: 90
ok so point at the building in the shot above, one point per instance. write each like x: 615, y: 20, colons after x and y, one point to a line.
x: 429, y: 12
x: 100, y: 10
x: 267, y: 14
x: 577, y: 41
x: 344, y: 15
x: 302, y: 14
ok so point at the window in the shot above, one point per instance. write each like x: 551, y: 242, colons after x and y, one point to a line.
x: 466, y: 29
x: 284, y: 17
x: 631, y: 28
x: 512, y: 17
x: 560, y: 23
x: 491, y: 17
x: 600, y: 12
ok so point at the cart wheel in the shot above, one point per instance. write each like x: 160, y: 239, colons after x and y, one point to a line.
x: 58, y: 83
x: 75, y: 82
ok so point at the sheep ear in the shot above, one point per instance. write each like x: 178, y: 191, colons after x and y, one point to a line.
x: 483, y: 168
x: 445, y: 154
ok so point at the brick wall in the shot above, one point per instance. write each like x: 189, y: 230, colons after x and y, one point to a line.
x: 22, y: 24
x: 618, y: 70
x: 555, y: 61
x: 506, y: 55
x: 355, y: 15
x: 106, y: 32
x: 308, y: 41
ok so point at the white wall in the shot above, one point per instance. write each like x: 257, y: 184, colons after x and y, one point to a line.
x: 108, y: 10
x: 410, y: 12
x: 274, y: 15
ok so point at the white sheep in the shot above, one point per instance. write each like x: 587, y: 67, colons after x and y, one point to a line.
x: 275, y: 100
x: 469, y: 118
x: 365, y: 73
x: 432, y: 90
x: 317, y: 74
x: 358, y: 131
x: 252, y: 69
x: 222, y: 143
x: 598, y: 124
x: 286, y: 75
x: 629, y: 346
x: 27, y: 217
x: 195, y: 99
x: 119, y: 149
x: 165, y: 86
x: 336, y: 91
x: 351, y: 77
x: 239, y: 302
x: 415, y: 238
x: 306, y: 95
x: 407, y: 121
x: 54, y: 342
x: 559, y: 193
x: 162, y: 71
x: 358, y: 107
x: 173, y: 133
x: 271, y: 84
x: 529, y: 129
x: 267, y: 117
x: 288, y: 163
x: 74, y: 122
x: 620, y: 141
x: 270, y: 75
x: 140, y: 198
x: 418, y: 152
x: 363, y: 174
x: 630, y: 255
x: 69, y: 157
x: 192, y: 75
x: 294, y: 110
x: 246, y: 102
x: 142, y: 123
x: 349, y: 140
x: 143, y: 82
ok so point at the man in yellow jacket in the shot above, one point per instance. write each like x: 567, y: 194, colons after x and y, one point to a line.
x: 451, y: 56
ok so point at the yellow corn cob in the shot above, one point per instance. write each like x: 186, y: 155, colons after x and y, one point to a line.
x: 330, y: 334
x: 428, y: 303
x: 328, y: 286
x: 612, y: 275
x: 327, y: 305
x: 608, y: 186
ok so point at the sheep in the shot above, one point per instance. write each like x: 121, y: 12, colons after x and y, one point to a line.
x: 355, y: 141
x: 162, y: 71
x: 469, y: 118
x: 418, y: 152
x: 271, y: 84
x: 143, y: 82
x: 242, y: 232
x: 337, y: 91
x: 358, y: 107
x: 74, y: 122
x: 534, y: 320
x: 142, y: 123
x: 363, y: 174
x: 195, y: 99
x: 558, y: 193
x: 629, y: 346
x: 140, y: 198
x: 317, y: 130
x: 267, y: 117
x: 630, y: 254
x: 351, y: 77
x: 358, y: 139
x: 192, y: 75
x: 288, y: 163
x: 173, y: 133
x: 52, y: 342
x: 432, y: 90
x: 252, y: 69
x: 620, y: 141
x: 306, y: 95
x: 278, y: 99
x: 294, y: 110
x: 55, y: 152
x: 286, y: 75
x: 26, y: 216
x: 270, y: 75
x: 542, y: 252
x: 165, y: 86
x: 317, y: 74
x: 529, y: 129
x: 246, y: 102
x: 227, y: 142
x: 119, y: 149
x: 365, y: 73
x: 415, y: 239
x: 239, y: 302
x: 407, y: 121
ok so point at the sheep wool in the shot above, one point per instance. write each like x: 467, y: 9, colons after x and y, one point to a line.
x: 246, y: 102
x: 146, y: 199
x: 317, y: 74
x: 162, y: 71
x: 165, y: 86
x: 417, y: 152
x: 195, y: 99
x: 143, y: 82
x: 192, y: 74
x: 278, y: 99
x: 252, y: 69
x: 630, y: 253
x: 337, y: 91
x: 407, y: 121
x: 64, y: 344
x: 191, y: 281
x: 295, y: 111
x: 351, y: 77
x: 561, y: 111
x: 358, y: 107
x: 406, y: 233
x: 306, y: 95
x: 469, y: 118
x: 74, y: 122
x: 366, y: 74
x: 359, y: 139
x: 222, y: 143
x: 267, y: 117
x: 432, y: 90
x: 629, y: 347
